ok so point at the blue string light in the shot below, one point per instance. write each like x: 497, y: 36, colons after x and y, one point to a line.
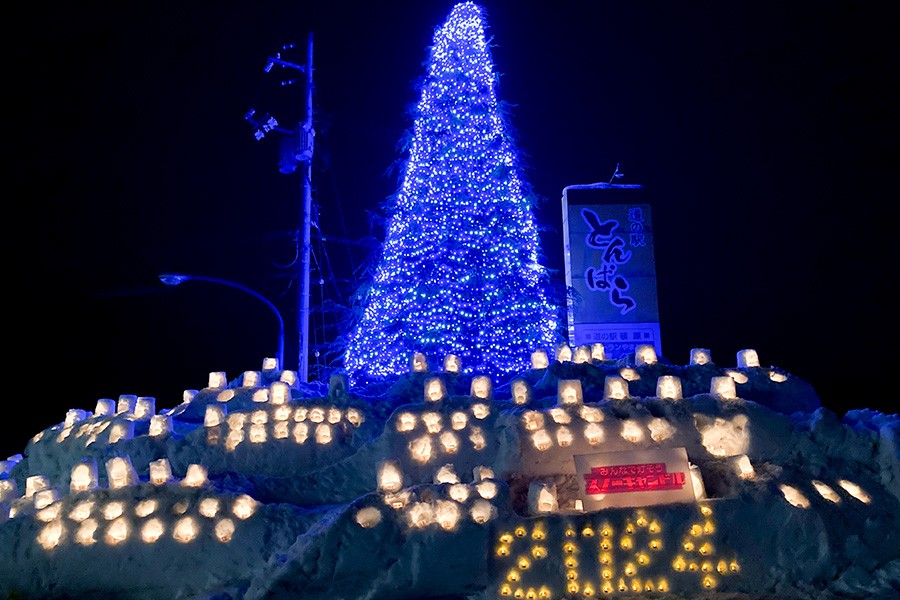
x: 458, y: 271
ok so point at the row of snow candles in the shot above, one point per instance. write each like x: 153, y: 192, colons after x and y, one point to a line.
x: 322, y: 418
x: 185, y: 529
x: 569, y: 392
x: 645, y: 354
x: 444, y: 513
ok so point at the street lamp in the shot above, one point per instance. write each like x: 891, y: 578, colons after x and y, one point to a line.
x: 174, y: 279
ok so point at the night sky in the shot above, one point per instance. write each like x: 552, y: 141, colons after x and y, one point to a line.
x: 764, y: 134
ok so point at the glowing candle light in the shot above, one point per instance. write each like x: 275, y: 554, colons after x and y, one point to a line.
x: 120, y: 472
x: 446, y: 474
x: 449, y: 442
x: 217, y: 380
x: 300, y: 433
x: 186, y: 529
x: 270, y: 364
x: 86, y: 532
x: 355, y: 417
x: 737, y: 376
x: 482, y: 511
x: 406, y: 422
x: 432, y: 421
x: 451, y: 363
x: 660, y: 429
x: 324, y: 434
x: 569, y: 392
x: 105, y: 406
x: 418, y: 363
x: 668, y: 387
x: 458, y: 420
x: 208, y: 507
x: 368, y: 517
x: 458, y: 492
x: 582, y: 354
x: 144, y: 407
x: 481, y: 387
x: 487, y: 489
x: 279, y: 392
x: 747, y: 359
x: 117, y: 532
x: 541, y: 440
x: 51, y: 535
x: 723, y: 388
x: 532, y: 420
x: 539, y: 360
x: 481, y: 472
x: 160, y: 425
x: 244, y: 507
x: 145, y: 508
x: 632, y: 431
x: 615, y: 388
x: 250, y: 379
x: 645, y: 354
x: 224, y: 530
x: 420, y: 514
x: 160, y: 471
x: 84, y: 477
x: 446, y: 514
x: 152, y: 530
x: 390, y: 477
x: 214, y: 415
x: 434, y: 389
x: 480, y: 410
x: 421, y: 449
x: 564, y: 437
x: 123, y: 430
x: 855, y: 491
x: 593, y: 433
x: 700, y: 356
x: 195, y: 476
x: 520, y: 391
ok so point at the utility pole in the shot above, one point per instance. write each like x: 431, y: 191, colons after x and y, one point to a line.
x: 297, y: 151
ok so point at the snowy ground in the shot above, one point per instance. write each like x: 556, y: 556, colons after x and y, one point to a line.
x: 276, y: 489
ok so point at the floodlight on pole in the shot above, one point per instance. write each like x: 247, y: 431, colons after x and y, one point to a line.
x: 174, y: 279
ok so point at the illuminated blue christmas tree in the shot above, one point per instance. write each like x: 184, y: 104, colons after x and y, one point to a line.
x: 459, y: 271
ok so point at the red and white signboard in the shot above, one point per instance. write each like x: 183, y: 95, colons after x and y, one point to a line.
x: 634, y: 478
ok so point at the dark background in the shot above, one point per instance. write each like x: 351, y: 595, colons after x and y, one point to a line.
x: 764, y: 134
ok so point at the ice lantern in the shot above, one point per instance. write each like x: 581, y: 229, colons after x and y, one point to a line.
x: 564, y: 353
x: 645, y: 354
x: 451, y: 363
x: 120, y: 472
x: 84, y: 477
x: 539, y: 360
x: 747, y: 358
x: 105, y: 406
x: 722, y: 388
x: 701, y: 356
x: 160, y: 471
x: 542, y: 498
x: 615, y: 388
x: 569, y: 392
x: 217, y: 380
x: 598, y: 351
x: 434, y: 389
x: 668, y: 387
x: 390, y: 478
x: 419, y: 364
x: 481, y: 387
x: 582, y: 354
